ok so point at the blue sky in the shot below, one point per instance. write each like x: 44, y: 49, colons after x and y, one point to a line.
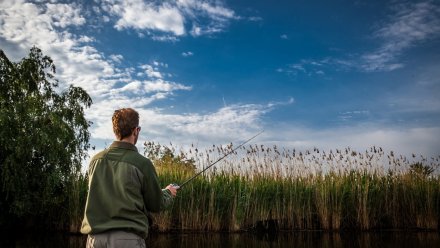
x: 310, y: 73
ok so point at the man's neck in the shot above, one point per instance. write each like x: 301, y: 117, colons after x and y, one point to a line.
x: 128, y: 140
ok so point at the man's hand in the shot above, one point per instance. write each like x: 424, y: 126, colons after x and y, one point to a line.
x: 173, y: 189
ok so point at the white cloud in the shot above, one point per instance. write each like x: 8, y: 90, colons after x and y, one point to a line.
x: 411, y: 22
x: 219, y: 126
x: 157, y: 63
x: 216, y: 12
x: 151, y: 71
x: 225, y: 122
x: 85, y: 39
x: 138, y: 14
x: 319, y: 67
x: 213, y: 9
x: 298, y: 67
x: 64, y: 15
x: 170, y: 17
x: 187, y: 54
x: 229, y: 123
x: 105, y: 18
x: 163, y: 86
x: 275, y: 104
x: 116, y: 57
x: 196, y: 30
x: 133, y: 86
x: 255, y: 19
x: 349, y: 115
x: 165, y: 38
x: 284, y: 37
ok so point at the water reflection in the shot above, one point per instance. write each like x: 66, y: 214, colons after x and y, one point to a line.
x: 301, y: 239
x: 29, y: 239
x: 294, y: 239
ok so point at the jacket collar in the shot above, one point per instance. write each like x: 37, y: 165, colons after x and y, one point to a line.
x: 123, y: 145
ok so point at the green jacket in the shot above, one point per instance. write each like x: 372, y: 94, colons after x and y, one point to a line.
x: 123, y: 189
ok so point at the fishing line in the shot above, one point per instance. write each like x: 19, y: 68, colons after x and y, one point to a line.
x: 218, y: 160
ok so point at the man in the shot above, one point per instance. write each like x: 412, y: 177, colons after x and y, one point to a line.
x: 123, y: 189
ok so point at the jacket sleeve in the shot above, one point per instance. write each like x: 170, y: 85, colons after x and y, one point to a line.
x: 167, y: 199
x: 155, y: 199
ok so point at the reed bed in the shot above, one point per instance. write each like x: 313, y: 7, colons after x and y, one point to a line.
x: 270, y: 189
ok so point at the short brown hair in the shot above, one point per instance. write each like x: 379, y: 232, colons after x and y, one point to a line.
x: 124, y: 120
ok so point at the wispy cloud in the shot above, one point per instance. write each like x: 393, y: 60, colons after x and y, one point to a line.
x: 255, y: 18
x: 275, y: 104
x: 353, y: 115
x: 317, y: 67
x: 187, y: 54
x: 408, y: 24
x: 165, y: 38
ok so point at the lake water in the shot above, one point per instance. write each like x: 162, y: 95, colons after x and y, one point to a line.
x: 386, y: 239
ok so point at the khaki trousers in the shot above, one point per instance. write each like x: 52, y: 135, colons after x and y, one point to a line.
x: 115, y: 239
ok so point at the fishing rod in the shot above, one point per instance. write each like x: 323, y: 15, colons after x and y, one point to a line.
x: 218, y: 160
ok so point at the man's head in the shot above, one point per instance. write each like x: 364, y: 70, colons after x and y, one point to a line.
x: 126, y: 123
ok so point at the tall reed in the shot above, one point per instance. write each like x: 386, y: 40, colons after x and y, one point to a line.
x: 269, y: 188
x: 77, y: 194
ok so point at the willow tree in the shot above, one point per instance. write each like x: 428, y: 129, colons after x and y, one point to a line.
x: 44, y: 138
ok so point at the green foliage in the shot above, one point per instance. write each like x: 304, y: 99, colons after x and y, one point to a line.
x: 43, y: 139
x: 164, y: 159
